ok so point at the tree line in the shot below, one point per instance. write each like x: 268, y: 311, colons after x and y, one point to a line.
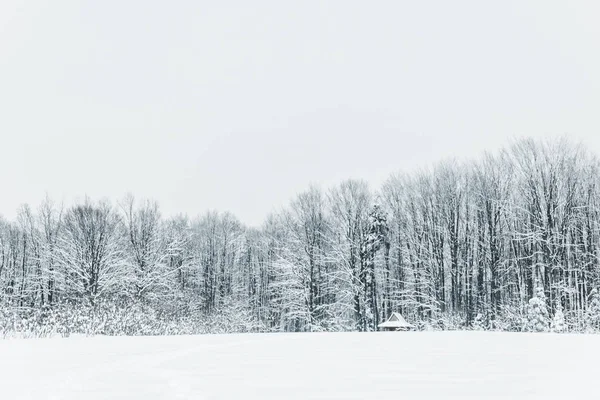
x: 459, y: 245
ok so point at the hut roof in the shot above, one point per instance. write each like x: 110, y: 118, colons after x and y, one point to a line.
x: 395, y: 321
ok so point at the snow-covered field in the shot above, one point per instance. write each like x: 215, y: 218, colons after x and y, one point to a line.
x: 415, y: 365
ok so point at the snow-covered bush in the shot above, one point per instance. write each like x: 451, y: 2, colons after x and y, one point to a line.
x: 511, y: 318
x: 233, y: 317
x: 558, y: 322
x: 478, y: 323
x: 452, y: 322
x: 538, y: 320
x: 124, y: 318
x: 593, y: 311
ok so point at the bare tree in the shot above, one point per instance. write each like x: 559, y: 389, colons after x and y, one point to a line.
x: 149, y: 249
x: 92, y: 250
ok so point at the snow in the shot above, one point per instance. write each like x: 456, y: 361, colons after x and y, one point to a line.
x: 414, y: 365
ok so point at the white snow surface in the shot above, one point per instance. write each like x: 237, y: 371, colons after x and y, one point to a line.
x: 409, y: 365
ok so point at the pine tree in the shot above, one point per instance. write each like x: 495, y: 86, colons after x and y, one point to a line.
x: 558, y: 323
x: 377, y: 236
x: 538, y: 319
x: 593, y: 312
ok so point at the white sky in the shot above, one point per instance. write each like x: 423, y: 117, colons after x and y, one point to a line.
x: 239, y: 105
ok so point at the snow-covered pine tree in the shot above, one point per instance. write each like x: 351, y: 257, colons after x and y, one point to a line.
x: 558, y: 322
x: 538, y: 319
x: 377, y: 236
x: 593, y: 311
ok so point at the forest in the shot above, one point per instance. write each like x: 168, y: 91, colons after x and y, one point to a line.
x: 509, y: 241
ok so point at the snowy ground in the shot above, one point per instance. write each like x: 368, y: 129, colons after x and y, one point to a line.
x: 416, y: 365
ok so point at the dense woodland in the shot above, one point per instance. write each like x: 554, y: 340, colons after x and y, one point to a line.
x: 508, y: 242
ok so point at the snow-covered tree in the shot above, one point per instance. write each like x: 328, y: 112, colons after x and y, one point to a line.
x: 558, y: 322
x: 377, y: 236
x: 91, y: 251
x: 446, y: 244
x: 538, y: 320
x: 148, y: 249
x: 593, y: 312
x: 349, y: 208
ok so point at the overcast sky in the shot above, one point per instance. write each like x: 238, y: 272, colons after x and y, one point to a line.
x: 239, y: 105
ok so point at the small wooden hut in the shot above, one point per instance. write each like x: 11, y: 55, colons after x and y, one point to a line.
x: 396, y: 322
